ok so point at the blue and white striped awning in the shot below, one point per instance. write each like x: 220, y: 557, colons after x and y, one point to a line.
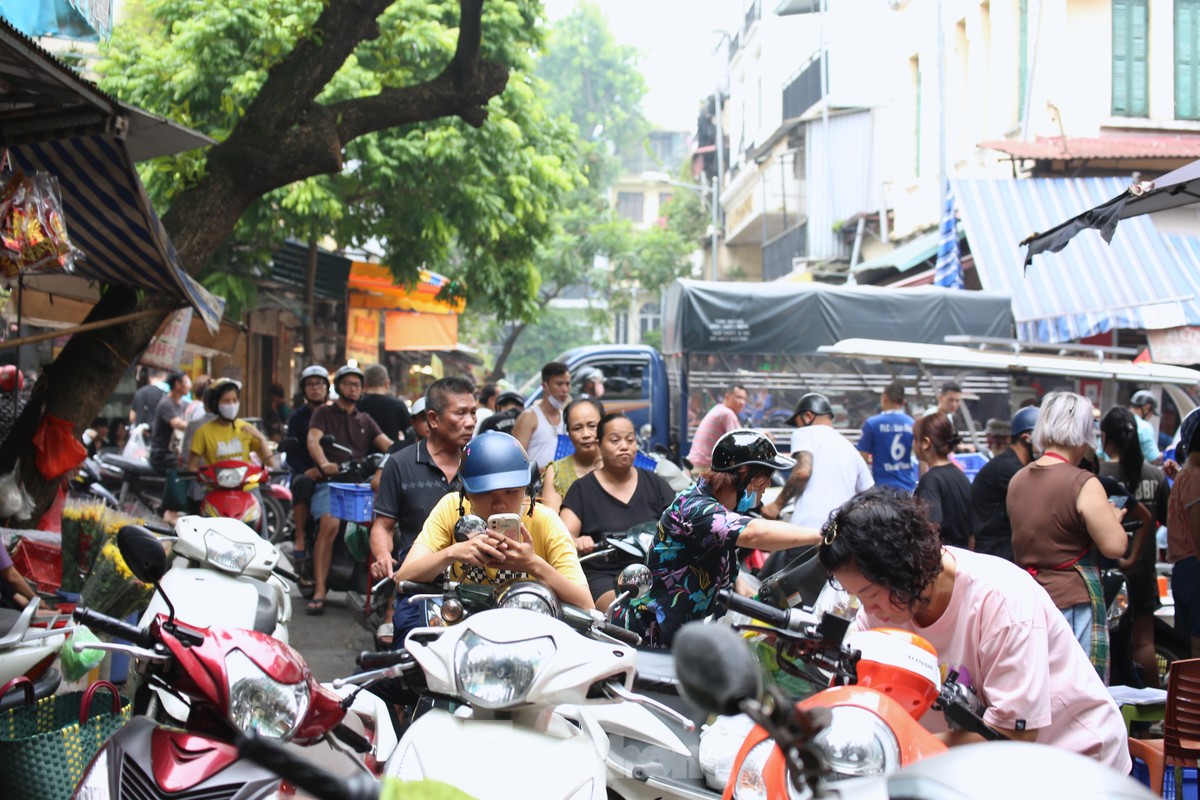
x: 1145, y: 279
x: 109, y: 218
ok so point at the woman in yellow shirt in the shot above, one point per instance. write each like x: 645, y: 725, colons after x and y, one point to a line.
x: 495, y: 477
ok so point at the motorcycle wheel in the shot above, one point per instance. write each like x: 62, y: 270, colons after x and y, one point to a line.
x: 275, y: 520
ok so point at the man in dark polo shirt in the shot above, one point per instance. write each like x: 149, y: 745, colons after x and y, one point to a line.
x: 390, y: 413
x: 414, y: 480
x: 353, y: 430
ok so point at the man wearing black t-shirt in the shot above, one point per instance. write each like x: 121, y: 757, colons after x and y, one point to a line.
x: 989, y: 491
x: 390, y: 413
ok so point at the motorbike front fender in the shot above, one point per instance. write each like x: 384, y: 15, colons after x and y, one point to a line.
x: 499, y: 759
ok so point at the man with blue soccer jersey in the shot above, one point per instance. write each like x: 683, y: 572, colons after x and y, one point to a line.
x: 887, y: 440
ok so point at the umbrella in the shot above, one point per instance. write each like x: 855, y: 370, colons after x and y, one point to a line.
x: 1175, y: 189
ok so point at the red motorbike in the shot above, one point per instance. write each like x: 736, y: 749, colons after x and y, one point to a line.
x: 237, y: 682
x: 229, y: 491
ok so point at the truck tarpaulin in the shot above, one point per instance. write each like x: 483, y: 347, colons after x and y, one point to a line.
x: 797, y: 318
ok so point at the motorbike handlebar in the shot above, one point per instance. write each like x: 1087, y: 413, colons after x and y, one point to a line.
x: 358, y: 743
x: 412, y: 587
x: 777, y: 617
x: 285, y: 573
x: 617, y: 632
x: 312, y: 779
x: 114, y: 627
x: 370, y: 659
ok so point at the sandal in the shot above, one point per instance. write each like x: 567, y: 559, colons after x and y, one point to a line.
x: 302, y: 563
x: 384, y: 634
x: 315, y: 607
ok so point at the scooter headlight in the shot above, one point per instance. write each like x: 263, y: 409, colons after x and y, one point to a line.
x: 231, y: 477
x: 856, y: 743
x: 226, y: 554
x: 258, y: 703
x: 94, y: 784
x: 750, y: 783
x: 530, y: 596
x: 495, y: 675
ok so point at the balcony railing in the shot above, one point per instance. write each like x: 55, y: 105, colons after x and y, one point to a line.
x: 780, y: 251
x: 803, y: 91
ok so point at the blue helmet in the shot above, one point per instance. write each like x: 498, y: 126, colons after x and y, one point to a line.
x: 1024, y: 420
x: 494, y: 460
x: 1187, y: 432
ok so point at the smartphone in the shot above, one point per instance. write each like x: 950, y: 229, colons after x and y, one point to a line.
x: 1118, y: 500
x: 506, y: 525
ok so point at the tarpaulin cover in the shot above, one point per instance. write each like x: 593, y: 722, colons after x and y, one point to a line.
x: 797, y: 318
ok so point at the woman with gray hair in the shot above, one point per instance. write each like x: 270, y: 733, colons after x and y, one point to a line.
x: 1061, y: 517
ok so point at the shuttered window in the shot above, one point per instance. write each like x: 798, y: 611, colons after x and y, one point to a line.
x: 1130, y: 23
x: 1187, y: 59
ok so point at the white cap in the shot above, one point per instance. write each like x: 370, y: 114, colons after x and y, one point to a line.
x: 418, y: 407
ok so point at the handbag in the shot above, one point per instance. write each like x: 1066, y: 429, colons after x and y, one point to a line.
x: 46, y: 746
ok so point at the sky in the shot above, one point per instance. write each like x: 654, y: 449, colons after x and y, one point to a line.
x: 676, y: 40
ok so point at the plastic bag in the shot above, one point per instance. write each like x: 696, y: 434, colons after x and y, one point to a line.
x: 136, y: 447
x: 58, y: 451
x: 720, y: 743
x: 14, y: 500
x: 76, y: 665
x: 33, y: 233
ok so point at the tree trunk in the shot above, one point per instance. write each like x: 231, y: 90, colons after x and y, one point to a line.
x: 310, y: 293
x: 498, y: 369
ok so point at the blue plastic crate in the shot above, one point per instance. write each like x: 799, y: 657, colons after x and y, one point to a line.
x: 354, y: 502
x: 969, y: 463
x: 1141, y: 774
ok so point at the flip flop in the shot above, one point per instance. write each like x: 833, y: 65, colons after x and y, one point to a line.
x: 384, y: 633
x: 315, y: 607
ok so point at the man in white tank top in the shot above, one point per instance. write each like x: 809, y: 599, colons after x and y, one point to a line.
x: 538, y: 427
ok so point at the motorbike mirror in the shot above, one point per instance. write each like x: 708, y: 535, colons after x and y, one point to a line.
x: 468, y: 526
x: 714, y: 667
x: 143, y: 553
x: 636, y: 580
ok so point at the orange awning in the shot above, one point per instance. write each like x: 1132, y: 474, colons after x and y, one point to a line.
x: 406, y: 330
x: 374, y: 286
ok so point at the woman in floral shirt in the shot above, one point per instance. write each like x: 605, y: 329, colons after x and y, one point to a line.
x: 695, y: 553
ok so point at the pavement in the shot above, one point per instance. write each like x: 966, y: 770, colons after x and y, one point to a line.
x: 329, y: 642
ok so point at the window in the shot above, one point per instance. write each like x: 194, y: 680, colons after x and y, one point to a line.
x: 1187, y: 59
x: 649, y: 319
x: 1130, y: 21
x: 629, y: 206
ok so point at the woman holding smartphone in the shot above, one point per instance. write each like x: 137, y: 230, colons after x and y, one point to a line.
x: 495, y: 476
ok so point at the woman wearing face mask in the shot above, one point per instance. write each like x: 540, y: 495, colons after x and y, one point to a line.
x: 226, y: 438
x: 582, y: 418
x: 695, y: 552
x: 612, y: 499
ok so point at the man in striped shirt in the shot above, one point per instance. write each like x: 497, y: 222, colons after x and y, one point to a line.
x: 723, y: 418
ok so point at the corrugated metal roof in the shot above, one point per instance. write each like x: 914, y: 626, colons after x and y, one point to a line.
x: 1143, y: 280
x: 908, y: 255
x: 1056, y: 148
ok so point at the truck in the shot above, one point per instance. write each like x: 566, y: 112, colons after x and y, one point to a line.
x: 782, y: 339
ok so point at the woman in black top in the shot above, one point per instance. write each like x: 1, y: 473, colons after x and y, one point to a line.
x: 612, y: 499
x: 944, y: 488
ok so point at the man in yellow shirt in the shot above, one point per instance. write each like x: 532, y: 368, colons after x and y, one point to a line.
x: 495, y: 477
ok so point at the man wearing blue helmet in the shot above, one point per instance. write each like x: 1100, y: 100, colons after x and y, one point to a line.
x: 495, y: 477
x: 1183, y: 532
x: 989, y: 491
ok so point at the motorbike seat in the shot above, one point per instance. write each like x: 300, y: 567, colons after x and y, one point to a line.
x: 8, y: 618
x: 656, y: 672
x: 132, y: 466
x: 266, y: 613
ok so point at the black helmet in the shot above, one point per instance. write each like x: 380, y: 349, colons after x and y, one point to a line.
x: 813, y: 402
x: 494, y: 460
x: 741, y: 447
x: 1144, y: 398
x: 218, y: 388
x: 1187, y: 432
x: 1024, y: 421
x: 349, y: 369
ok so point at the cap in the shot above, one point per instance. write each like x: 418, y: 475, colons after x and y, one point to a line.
x: 418, y: 407
x: 999, y: 427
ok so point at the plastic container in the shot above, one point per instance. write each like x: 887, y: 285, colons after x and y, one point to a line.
x: 969, y: 463
x: 353, y: 502
x: 40, y: 563
x: 1141, y: 774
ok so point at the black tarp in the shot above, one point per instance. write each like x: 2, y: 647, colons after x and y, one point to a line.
x: 797, y: 318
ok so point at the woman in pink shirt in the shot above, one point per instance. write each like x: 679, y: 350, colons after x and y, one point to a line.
x: 988, y: 619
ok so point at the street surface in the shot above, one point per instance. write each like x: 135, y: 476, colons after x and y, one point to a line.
x: 329, y: 642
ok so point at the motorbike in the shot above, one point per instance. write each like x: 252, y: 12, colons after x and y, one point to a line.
x: 277, y: 523
x: 29, y: 646
x: 88, y: 482
x: 1169, y: 644
x: 799, y: 751
x: 133, y: 481
x: 235, y: 682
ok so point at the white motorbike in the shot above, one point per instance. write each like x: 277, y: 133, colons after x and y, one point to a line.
x: 223, y: 575
x: 30, y: 650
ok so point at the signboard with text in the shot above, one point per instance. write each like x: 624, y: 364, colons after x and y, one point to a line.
x: 362, y: 335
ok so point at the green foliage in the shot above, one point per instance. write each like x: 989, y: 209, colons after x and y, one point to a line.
x: 553, y: 331
x: 472, y: 203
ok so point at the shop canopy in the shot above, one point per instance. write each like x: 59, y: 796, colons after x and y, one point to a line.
x: 414, y: 318
x: 53, y: 121
x: 1145, y: 280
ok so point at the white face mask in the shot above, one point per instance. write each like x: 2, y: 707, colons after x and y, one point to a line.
x: 229, y: 411
x: 555, y: 403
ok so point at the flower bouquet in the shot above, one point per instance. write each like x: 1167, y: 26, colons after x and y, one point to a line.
x: 111, y: 587
x: 80, y: 529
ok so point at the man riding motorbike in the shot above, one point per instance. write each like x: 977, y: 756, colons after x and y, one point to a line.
x: 314, y: 386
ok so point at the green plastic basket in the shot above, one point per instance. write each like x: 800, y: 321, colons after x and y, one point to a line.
x: 46, y: 746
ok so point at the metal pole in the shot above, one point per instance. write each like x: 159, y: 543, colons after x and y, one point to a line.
x: 712, y: 202
x: 941, y: 129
